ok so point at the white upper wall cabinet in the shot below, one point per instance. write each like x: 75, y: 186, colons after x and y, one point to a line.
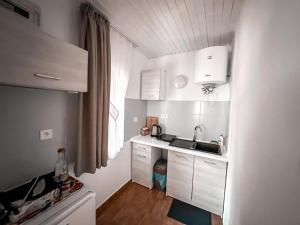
x: 32, y: 58
x: 153, y: 85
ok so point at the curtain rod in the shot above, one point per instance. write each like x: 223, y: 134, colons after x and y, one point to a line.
x: 124, y: 36
x: 112, y: 26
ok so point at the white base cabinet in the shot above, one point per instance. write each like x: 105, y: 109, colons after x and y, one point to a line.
x: 180, y: 175
x: 77, y: 209
x: 84, y: 214
x: 209, y: 184
x: 196, y: 180
x: 143, y: 160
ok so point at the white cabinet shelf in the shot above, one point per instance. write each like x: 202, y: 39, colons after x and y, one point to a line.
x: 153, y: 85
x: 32, y: 58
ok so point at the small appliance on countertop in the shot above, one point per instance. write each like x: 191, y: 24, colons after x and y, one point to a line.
x: 156, y: 130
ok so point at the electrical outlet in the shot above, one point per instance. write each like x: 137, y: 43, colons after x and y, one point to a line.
x: 46, y: 134
x: 164, y: 116
x: 135, y: 119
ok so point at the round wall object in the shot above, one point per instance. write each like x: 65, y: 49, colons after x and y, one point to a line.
x: 180, y: 81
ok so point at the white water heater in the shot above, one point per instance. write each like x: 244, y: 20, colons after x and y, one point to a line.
x: 211, y: 67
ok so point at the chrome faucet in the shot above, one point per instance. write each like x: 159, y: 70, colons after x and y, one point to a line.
x: 221, y: 140
x: 195, y: 130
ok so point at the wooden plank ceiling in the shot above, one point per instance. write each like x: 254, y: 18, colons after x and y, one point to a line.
x: 164, y: 27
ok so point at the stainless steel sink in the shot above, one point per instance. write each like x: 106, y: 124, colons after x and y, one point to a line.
x: 207, y: 147
x: 196, y: 146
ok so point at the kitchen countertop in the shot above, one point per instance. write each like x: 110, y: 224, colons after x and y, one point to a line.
x: 148, y: 140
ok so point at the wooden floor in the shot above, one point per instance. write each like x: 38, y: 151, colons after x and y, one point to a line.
x: 137, y: 205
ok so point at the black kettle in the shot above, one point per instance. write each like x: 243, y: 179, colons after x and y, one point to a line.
x: 156, y: 130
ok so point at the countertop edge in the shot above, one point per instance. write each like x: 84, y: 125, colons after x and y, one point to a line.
x: 163, y: 145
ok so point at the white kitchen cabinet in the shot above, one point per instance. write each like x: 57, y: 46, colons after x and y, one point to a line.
x: 153, y: 85
x: 31, y: 58
x: 84, y: 214
x: 209, y: 184
x: 77, y: 209
x: 180, y: 175
x: 143, y: 160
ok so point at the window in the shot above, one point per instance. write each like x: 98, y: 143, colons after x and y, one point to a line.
x: 121, y: 54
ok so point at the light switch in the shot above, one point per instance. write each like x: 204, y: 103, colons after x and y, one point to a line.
x: 135, y: 119
x: 46, y: 134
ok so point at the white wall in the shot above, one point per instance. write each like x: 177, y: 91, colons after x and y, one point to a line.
x: 184, y: 64
x: 183, y: 116
x: 264, y: 172
x: 61, y: 18
x: 110, y: 179
x: 139, y: 63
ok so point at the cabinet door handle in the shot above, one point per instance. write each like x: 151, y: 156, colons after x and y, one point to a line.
x: 180, y: 156
x: 141, y: 156
x: 210, y: 163
x: 46, y: 76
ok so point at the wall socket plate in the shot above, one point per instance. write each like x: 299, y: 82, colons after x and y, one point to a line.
x: 164, y: 116
x: 46, y: 134
x: 135, y: 119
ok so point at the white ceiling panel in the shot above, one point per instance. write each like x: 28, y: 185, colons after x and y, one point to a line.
x: 164, y: 27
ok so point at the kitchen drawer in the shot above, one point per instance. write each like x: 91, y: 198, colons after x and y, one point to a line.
x: 143, y: 159
x: 141, y: 163
x: 138, y: 154
x: 141, y: 156
x: 141, y: 148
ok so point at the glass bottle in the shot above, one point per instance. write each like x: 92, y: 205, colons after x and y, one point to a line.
x: 61, y: 166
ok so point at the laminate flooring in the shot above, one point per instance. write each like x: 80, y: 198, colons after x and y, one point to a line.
x: 137, y: 205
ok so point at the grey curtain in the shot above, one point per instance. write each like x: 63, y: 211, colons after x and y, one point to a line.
x: 93, y: 112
